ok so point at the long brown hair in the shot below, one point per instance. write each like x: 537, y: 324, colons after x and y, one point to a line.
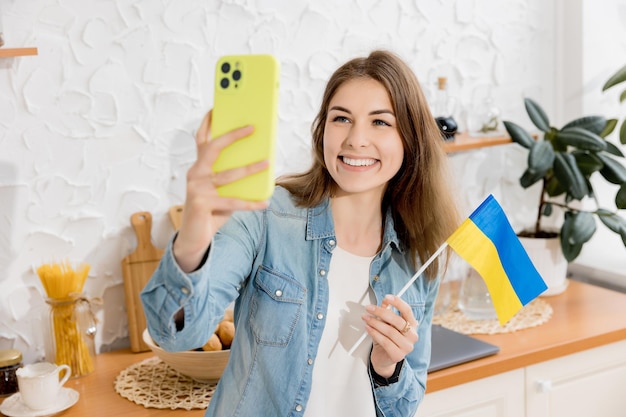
x: 419, y: 195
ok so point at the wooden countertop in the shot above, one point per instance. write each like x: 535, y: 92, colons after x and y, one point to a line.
x: 584, y: 317
x: 97, y: 393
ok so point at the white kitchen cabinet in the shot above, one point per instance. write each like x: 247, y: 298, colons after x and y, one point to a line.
x: 588, y: 383
x: 501, y: 395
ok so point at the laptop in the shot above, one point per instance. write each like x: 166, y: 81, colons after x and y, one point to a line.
x: 451, y: 348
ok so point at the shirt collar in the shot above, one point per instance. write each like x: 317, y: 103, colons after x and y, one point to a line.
x: 320, y: 225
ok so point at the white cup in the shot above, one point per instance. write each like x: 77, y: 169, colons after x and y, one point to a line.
x: 39, y: 384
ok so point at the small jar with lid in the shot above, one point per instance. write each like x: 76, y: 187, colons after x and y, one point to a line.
x: 10, y: 361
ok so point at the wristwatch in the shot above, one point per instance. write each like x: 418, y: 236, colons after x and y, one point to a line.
x: 381, y: 381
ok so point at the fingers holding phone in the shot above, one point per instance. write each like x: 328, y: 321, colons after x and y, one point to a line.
x: 209, y: 151
x: 205, y: 209
x: 235, y: 143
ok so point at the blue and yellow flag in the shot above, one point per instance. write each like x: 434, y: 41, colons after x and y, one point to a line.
x: 488, y: 243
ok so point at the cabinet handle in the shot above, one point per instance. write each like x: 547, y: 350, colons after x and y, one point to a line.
x: 544, y: 385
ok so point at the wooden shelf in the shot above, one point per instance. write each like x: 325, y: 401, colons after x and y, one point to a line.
x: 464, y: 142
x: 12, y: 52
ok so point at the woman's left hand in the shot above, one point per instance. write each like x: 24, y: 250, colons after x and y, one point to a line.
x: 394, y: 335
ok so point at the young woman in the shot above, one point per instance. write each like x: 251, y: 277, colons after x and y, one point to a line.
x: 317, y: 265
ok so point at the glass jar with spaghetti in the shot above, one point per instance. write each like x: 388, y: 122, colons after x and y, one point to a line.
x: 73, y: 330
x: 72, y: 323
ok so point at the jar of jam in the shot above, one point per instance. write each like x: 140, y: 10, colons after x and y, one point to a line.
x: 10, y: 361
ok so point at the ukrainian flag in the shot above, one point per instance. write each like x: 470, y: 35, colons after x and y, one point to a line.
x: 488, y: 243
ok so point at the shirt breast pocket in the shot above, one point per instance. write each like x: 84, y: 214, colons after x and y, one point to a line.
x: 276, y: 307
x: 419, y: 308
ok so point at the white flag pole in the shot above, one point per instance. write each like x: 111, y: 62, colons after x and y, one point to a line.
x: 403, y: 290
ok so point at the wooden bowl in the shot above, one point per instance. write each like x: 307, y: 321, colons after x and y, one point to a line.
x: 199, y: 365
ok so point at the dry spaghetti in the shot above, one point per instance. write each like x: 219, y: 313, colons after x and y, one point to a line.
x: 71, y: 316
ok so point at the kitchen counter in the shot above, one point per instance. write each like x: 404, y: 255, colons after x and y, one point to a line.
x: 97, y: 393
x: 584, y: 317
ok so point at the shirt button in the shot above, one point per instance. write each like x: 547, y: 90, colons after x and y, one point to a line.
x: 320, y: 316
x: 298, y: 408
x: 331, y: 242
x: 376, y: 277
x: 322, y: 272
x: 310, y: 361
x: 184, y: 290
x: 278, y: 293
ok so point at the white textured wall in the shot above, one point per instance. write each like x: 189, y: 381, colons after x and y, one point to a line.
x: 98, y: 125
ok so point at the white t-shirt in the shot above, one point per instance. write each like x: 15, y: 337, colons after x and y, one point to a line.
x: 341, y: 384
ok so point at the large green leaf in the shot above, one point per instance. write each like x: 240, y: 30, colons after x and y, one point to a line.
x: 620, y: 197
x: 519, y: 135
x: 587, y: 162
x: 581, y: 139
x: 622, y: 96
x: 554, y: 187
x: 582, y: 228
x: 595, y: 124
x: 540, y: 157
x: 622, y: 133
x: 570, y: 250
x: 529, y: 178
x: 613, y: 221
x: 612, y: 171
x: 570, y: 177
x: 614, y: 150
x: 610, y: 126
x: 617, y: 78
x: 537, y: 115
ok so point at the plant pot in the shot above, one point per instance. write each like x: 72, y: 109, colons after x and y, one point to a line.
x: 546, y: 255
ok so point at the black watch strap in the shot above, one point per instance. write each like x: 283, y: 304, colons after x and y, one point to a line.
x: 381, y: 381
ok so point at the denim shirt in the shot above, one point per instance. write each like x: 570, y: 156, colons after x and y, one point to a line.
x: 273, y: 263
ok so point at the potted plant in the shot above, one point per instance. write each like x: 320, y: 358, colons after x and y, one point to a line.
x: 563, y: 161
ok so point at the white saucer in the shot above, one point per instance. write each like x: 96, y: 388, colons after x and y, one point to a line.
x: 14, y: 407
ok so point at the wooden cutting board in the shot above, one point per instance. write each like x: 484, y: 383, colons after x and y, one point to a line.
x: 137, y: 269
x: 176, y: 216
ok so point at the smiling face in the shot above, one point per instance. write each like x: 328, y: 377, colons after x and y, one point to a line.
x: 362, y: 147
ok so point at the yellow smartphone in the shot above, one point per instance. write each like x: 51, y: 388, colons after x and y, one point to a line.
x: 246, y: 93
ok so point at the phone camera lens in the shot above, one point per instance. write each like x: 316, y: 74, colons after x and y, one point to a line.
x: 225, y: 67
x: 236, y: 75
x: 224, y: 82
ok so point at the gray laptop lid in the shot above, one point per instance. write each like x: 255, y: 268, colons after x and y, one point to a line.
x: 451, y: 348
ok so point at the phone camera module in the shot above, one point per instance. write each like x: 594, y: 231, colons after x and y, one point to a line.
x: 236, y: 75
x: 225, y: 67
x: 224, y: 82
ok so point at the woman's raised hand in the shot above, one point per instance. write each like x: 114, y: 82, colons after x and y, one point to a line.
x: 394, y: 336
x: 205, y: 211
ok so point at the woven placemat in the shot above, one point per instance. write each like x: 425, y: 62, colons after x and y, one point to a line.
x: 154, y: 384
x: 532, y: 314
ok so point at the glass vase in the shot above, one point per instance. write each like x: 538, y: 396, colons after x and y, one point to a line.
x: 474, y: 298
x: 72, y: 334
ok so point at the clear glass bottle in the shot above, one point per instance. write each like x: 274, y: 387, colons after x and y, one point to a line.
x: 443, y: 108
x: 72, y: 336
x: 10, y: 361
x: 444, y: 104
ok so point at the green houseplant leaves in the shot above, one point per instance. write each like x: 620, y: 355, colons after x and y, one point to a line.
x: 616, y: 79
x: 563, y: 161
